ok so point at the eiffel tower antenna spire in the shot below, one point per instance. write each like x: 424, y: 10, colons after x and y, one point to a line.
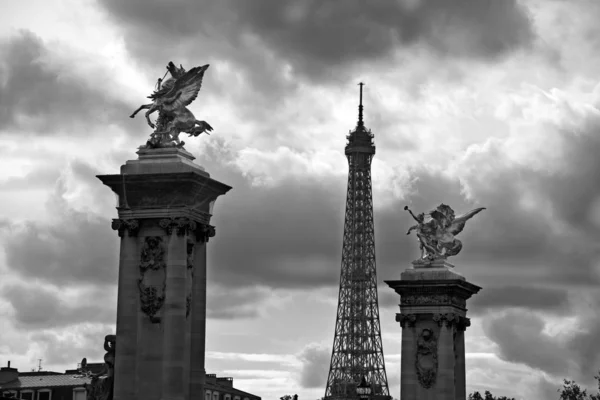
x: 360, y: 106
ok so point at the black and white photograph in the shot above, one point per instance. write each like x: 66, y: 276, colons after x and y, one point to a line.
x: 300, y: 199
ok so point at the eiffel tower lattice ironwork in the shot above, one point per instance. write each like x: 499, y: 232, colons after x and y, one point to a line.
x: 357, y: 347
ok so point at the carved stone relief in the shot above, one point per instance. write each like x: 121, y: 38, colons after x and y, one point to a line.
x: 152, y: 265
x: 432, y: 299
x: 426, y: 362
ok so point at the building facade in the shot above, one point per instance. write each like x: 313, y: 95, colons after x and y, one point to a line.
x: 46, y: 385
x: 42, y: 385
x: 218, y: 388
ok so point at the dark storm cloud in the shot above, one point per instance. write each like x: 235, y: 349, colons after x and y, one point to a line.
x: 572, y: 192
x: 517, y: 238
x: 37, y: 307
x: 520, y: 339
x: 77, y: 247
x: 319, y: 38
x: 532, y: 298
x: 281, y: 237
x: 41, y: 97
x: 315, y: 366
x: 234, y: 304
x: 81, y: 249
x: 584, y: 345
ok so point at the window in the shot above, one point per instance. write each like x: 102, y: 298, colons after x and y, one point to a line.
x: 27, y: 394
x: 10, y: 393
x: 208, y: 395
x: 227, y: 397
x: 79, y: 393
x: 44, y: 394
x: 236, y: 398
x: 215, y: 395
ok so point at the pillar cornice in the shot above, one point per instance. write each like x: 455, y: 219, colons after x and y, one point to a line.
x: 406, y: 320
x: 182, y: 226
x: 130, y: 225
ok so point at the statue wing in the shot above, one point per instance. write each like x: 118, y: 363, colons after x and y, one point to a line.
x: 185, y: 89
x: 459, y: 222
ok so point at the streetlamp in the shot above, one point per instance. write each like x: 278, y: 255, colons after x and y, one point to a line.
x: 363, y: 389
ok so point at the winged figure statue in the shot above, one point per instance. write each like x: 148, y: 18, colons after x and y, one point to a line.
x: 437, y: 230
x: 171, y: 99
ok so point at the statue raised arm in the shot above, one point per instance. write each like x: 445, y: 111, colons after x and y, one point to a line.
x: 437, y: 237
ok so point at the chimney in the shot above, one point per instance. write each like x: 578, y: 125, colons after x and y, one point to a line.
x: 8, y: 374
x: 228, y: 382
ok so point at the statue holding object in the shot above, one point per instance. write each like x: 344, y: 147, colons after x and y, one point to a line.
x: 170, y: 100
x: 436, y: 236
x: 102, y: 383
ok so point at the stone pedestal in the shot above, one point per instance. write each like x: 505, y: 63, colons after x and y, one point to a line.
x: 433, y: 317
x: 165, y: 203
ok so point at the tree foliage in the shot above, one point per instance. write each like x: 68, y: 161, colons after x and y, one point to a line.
x: 487, y: 396
x: 572, y: 391
x: 569, y: 391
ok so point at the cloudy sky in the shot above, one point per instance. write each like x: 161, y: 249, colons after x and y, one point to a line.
x: 472, y: 103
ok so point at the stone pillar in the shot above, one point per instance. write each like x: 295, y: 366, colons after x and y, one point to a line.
x: 198, y: 317
x: 433, y: 319
x: 167, y: 200
x: 446, y: 355
x: 408, y: 374
x: 459, y: 345
x: 175, y: 310
x: 127, y: 308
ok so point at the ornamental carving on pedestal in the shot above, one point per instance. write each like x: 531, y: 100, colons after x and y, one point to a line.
x: 190, y: 256
x: 130, y: 225
x: 190, y: 278
x: 152, y: 261
x: 425, y: 299
x: 426, y: 362
x: 153, y: 254
x: 406, y: 319
x: 432, y: 299
x: 448, y: 319
x: 204, y: 232
x: 183, y: 226
x: 151, y: 301
x: 463, y: 323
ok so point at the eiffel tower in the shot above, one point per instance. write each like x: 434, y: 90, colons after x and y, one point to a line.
x: 357, y: 348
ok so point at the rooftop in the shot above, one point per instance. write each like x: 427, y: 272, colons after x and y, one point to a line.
x: 45, y: 381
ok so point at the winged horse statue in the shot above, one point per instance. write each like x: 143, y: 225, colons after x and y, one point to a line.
x: 437, y: 232
x: 171, y: 99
